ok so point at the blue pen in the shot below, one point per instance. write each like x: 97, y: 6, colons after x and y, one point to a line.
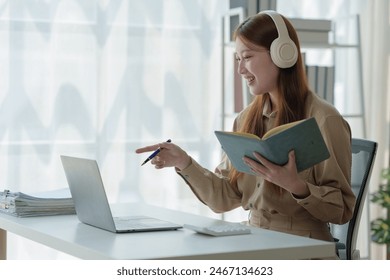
x: 155, y: 153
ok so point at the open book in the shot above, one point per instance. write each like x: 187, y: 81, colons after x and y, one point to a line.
x: 304, y: 137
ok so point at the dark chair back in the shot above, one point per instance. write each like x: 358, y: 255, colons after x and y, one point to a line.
x: 363, y: 157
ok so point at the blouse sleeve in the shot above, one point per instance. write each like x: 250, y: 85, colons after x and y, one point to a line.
x: 331, y: 198
x: 212, y: 188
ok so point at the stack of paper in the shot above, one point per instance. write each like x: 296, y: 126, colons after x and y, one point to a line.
x: 22, y: 205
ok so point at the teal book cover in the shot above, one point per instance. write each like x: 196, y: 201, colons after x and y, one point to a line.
x: 304, y: 137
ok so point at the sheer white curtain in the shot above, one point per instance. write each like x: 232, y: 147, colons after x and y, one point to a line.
x: 375, y: 42
x: 376, y: 55
x: 98, y: 79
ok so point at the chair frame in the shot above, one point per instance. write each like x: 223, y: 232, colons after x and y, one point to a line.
x: 358, y: 145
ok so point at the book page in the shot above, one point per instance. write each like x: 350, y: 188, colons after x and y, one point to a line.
x: 280, y: 128
x: 243, y: 134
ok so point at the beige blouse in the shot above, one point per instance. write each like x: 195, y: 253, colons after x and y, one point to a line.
x: 330, y: 201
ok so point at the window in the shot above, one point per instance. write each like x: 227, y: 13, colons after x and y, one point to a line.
x: 99, y: 79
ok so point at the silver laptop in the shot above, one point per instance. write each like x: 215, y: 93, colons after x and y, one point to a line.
x: 91, y: 203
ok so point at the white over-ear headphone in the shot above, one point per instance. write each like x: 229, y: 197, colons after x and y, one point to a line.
x: 284, y: 52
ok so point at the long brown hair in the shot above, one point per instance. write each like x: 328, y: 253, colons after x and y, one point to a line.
x: 260, y: 31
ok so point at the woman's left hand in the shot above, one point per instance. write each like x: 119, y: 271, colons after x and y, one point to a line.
x: 285, y: 176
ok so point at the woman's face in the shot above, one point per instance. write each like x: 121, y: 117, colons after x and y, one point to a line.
x: 256, y: 67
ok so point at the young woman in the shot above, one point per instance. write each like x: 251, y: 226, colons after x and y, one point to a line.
x: 278, y: 197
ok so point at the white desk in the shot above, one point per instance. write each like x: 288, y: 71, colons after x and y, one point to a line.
x: 68, y: 235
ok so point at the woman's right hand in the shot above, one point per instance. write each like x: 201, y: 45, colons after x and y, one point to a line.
x: 170, y: 155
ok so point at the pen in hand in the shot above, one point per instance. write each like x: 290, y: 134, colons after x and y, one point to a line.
x: 155, y: 153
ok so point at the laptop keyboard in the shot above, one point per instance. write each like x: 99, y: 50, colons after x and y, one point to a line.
x: 130, y: 224
x: 137, y: 222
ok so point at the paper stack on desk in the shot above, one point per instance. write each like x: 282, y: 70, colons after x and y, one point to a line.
x: 22, y: 205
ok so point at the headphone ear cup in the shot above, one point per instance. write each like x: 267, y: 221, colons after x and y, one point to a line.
x: 284, y: 52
